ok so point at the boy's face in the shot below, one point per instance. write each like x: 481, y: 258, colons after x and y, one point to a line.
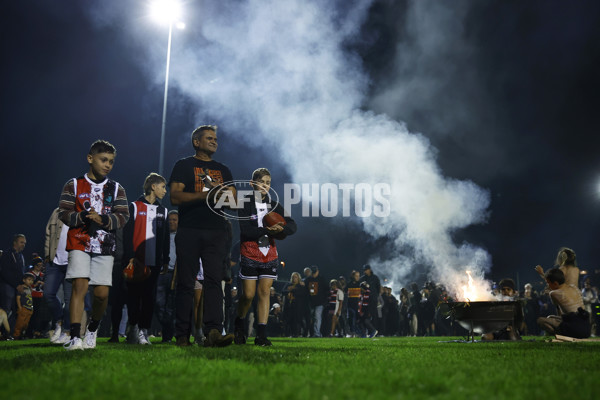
x: 28, y: 281
x: 101, y: 164
x: 552, y: 285
x: 160, y: 189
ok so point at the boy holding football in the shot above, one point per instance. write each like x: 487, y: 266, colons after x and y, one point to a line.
x: 258, y: 253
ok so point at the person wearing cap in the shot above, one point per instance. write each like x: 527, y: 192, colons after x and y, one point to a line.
x: 318, y: 294
x: 24, y: 304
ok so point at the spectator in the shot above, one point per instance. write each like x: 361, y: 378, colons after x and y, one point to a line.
x: 336, y: 300
x: 353, y: 300
x: 38, y: 325
x: 566, y: 261
x: 12, y: 267
x: 4, y: 324
x: 510, y: 332
x: 531, y: 310
x: 57, y: 260
x: 590, y: 298
x: 318, y: 298
x: 24, y: 304
x: 275, y: 321
x: 365, y: 311
x: 295, y: 304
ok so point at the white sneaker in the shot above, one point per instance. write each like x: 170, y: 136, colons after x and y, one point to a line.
x: 56, y: 334
x: 63, y: 338
x: 74, y: 344
x: 89, y: 341
x: 143, y: 336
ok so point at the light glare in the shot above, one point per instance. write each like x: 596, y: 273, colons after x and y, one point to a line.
x: 165, y: 11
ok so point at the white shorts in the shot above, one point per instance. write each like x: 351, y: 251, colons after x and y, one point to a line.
x: 95, y: 267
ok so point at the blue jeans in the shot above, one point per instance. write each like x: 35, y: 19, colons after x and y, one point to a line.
x: 317, y: 315
x: 55, y: 276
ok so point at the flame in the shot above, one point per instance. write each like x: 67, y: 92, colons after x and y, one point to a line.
x: 469, y: 289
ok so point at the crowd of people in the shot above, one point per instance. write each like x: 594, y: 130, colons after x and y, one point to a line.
x: 146, y: 263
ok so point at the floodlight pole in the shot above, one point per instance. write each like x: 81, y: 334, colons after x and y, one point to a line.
x: 161, y: 162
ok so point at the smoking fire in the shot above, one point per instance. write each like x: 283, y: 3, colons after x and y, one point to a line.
x: 477, y: 289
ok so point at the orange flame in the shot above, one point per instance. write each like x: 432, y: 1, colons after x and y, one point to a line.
x: 469, y: 289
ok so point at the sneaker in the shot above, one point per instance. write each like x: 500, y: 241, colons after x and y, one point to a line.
x: 74, y: 344
x: 262, y: 341
x: 89, y: 340
x: 143, y: 337
x: 56, y: 334
x: 133, y: 334
x: 63, y: 338
x: 239, y: 337
x: 373, y: 334
x: 215, y: 339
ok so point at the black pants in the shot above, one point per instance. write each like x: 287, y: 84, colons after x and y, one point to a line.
x: 141, y: 297
x: 191, y: 246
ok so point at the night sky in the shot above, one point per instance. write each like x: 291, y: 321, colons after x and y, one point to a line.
x: 508, y: 93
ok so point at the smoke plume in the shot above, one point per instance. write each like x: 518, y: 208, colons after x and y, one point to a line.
x: 281, y: 75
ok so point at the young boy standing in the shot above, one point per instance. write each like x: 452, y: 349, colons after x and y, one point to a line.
x: 24, y: 304
x: 93, y: 207
x: 146, y: 241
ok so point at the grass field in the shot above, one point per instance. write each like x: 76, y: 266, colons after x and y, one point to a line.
x: 319, y: 369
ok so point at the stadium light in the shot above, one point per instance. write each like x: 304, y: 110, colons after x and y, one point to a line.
x: 166, y: 12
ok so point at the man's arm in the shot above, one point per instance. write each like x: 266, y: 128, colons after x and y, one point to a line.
x: 178, y: 196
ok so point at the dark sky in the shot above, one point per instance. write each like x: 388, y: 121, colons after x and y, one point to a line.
x: 514, y: 109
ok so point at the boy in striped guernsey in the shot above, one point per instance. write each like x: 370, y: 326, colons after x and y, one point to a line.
x: 146, y: 241
x: 93, y: 207
x: 258, y: 255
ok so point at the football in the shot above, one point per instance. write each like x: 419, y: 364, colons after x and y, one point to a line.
x: 272, y: 218
x: 135, y: 271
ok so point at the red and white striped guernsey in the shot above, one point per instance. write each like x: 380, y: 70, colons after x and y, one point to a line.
x: 149, y: 219
x: 100, y: 197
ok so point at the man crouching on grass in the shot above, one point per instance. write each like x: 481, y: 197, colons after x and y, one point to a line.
x: 93, y: 207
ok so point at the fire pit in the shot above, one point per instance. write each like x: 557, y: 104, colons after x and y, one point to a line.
x: 484, y: 316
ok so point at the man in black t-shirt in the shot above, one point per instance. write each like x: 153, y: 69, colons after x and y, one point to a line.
x: 202, y: 234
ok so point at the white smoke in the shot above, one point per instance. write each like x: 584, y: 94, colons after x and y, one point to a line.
x: 278, y: 73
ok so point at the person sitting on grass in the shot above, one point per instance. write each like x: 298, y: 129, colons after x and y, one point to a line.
x: 566, y: 261
x: 24, y: 304
x: 510, y: 332
x: 572, y: 320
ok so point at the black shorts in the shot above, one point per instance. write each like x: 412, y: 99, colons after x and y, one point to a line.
x: 254, y: 270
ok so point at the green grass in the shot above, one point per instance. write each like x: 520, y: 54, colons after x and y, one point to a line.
x: 316, y: 369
